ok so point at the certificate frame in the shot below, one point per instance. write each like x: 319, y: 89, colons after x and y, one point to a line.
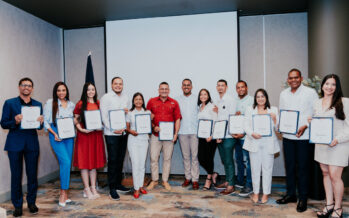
x: 37, y: 121
x: 200, y: 120
x: 229, y: 130
x: 109, y: 112
x: 270, y: 126
x: 316, y: 142
x: 162, y: 139
x: 280, y: 115
x: 225, y: 129
x: 72, y: 119
x: 145, y: 114
x: 88, y: 111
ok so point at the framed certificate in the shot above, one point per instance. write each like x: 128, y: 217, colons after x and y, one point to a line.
x: 166, y: 131
x: 236, y: 124
x: 93, y: 120
x: 30, y: 117
x: 117, y: 119
x: 219, y: 129
x: 288, y: 121
x: 65, y: 127
x: 261, y: 124
x: 143, y: 123
x: 321, y: 130
x: 204, y: 128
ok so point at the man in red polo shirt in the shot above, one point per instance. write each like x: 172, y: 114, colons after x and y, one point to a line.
x: 165, y: 109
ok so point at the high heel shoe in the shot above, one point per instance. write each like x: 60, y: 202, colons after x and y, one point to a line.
x: 338, y: 215
x: 94, y: 192
x: 88, y: 194
x: 136, y: 194
x: 60, y: 203
x: 327, y: 213
x: 143, y: 191
x: 215, y: 175
x: 205, y: 188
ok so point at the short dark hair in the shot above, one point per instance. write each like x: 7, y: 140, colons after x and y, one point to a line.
x: 222, y: 81
x: 242, y: 81
x: 117, y: 77
x: 187, y: 79
x: 267, y: 103
x: 295, y: 69
x: 25, y: 79
x: 208, y: 99
x: 164, y: 83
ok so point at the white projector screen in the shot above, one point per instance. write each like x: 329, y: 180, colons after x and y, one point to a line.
x: 145, y: 52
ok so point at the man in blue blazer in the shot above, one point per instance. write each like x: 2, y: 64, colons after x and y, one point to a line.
x: 22, y: 143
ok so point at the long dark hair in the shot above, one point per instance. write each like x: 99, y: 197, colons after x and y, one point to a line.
x: 55, y: 99
x: 267, y: 103
x: 133, y: 100
x: 84, y: 101
x: 337, y: 96
x: 208, y: 99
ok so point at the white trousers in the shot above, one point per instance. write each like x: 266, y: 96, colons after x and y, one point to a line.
x: 261, y: 162
x: 138, y: 150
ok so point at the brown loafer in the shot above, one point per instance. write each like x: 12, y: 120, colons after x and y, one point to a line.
x: 226, y: 192
x: 195, y: 185
x: 186, y: 183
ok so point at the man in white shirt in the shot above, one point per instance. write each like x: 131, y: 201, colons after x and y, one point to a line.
x: 116, y: 139
x: 296, y: 147
x: 226, y: 105
x: 241, y: 155
x: 187, y: 134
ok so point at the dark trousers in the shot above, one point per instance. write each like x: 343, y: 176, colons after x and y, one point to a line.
x: 242, y: 158
x: 297, y: 163
x: 116, y: 146
x: 31, y: 167
x: 206, y: 154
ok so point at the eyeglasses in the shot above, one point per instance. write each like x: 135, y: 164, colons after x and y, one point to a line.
x: 26, y: 86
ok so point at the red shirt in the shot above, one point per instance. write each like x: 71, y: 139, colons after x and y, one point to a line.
x: 164, y: 111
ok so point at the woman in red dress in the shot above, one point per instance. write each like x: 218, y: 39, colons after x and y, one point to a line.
x: 89, y: 152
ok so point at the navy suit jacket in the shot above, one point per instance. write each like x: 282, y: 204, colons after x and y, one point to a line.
x: 18, y: 139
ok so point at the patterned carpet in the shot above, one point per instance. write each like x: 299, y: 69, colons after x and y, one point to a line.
x: 180, y: 202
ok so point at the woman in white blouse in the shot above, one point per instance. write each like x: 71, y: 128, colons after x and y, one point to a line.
x: 207, y: 147
x: 137, y: 144
x: 334, y: 157
x: 261, y: 149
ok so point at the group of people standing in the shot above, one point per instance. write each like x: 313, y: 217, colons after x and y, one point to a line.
x: 253, y: 153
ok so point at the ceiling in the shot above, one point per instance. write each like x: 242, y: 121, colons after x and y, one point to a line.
x: 70, y: 14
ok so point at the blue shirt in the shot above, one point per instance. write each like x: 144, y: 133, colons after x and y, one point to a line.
x: 61, y: 112
x: 189, y: 111
x: 242, y: 104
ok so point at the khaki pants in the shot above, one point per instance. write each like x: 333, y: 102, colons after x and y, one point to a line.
x: 155, y: 148
x: 189, y: 147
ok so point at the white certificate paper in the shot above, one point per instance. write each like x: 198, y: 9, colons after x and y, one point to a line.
x: 143, y: 123
x: 236, y: 124
x: 205, y: 128
x: 30, y: 117
x: 219, y: 129
x: 288, y: 122
x: 321, y: 130
x: 93, y: 120
x: 166, y: 131
x: 117, y: 119
x: 65, y: 127
x: 262, y: 124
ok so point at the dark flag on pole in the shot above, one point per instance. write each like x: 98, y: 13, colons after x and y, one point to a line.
x: 89, y: 70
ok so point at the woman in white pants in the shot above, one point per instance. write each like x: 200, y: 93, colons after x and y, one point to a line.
x: 261, y: 148
x: 137, y: 144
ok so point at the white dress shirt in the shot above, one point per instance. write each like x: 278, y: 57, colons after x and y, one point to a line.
x: 207, y: 113
x: 302, y: 100
x: 189, y: 111
x: 112, y: 101
x: 61, y: 112
x: 242, y: 104
x: 226, y: 106
x: 131, y: 118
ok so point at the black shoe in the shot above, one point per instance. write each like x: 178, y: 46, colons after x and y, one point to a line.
x: 246, y: 191
x: 18, y: 212
x: 122, y: 189
x: 302, y: 206
x: 287, y: 199
x: 33, y: 209
x: 114, y: 195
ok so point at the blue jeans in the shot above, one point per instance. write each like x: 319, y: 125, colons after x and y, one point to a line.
x: 242, y: 161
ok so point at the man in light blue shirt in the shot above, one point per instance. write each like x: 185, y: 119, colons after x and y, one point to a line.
x: 241, y: 155
x: 187, y: 134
